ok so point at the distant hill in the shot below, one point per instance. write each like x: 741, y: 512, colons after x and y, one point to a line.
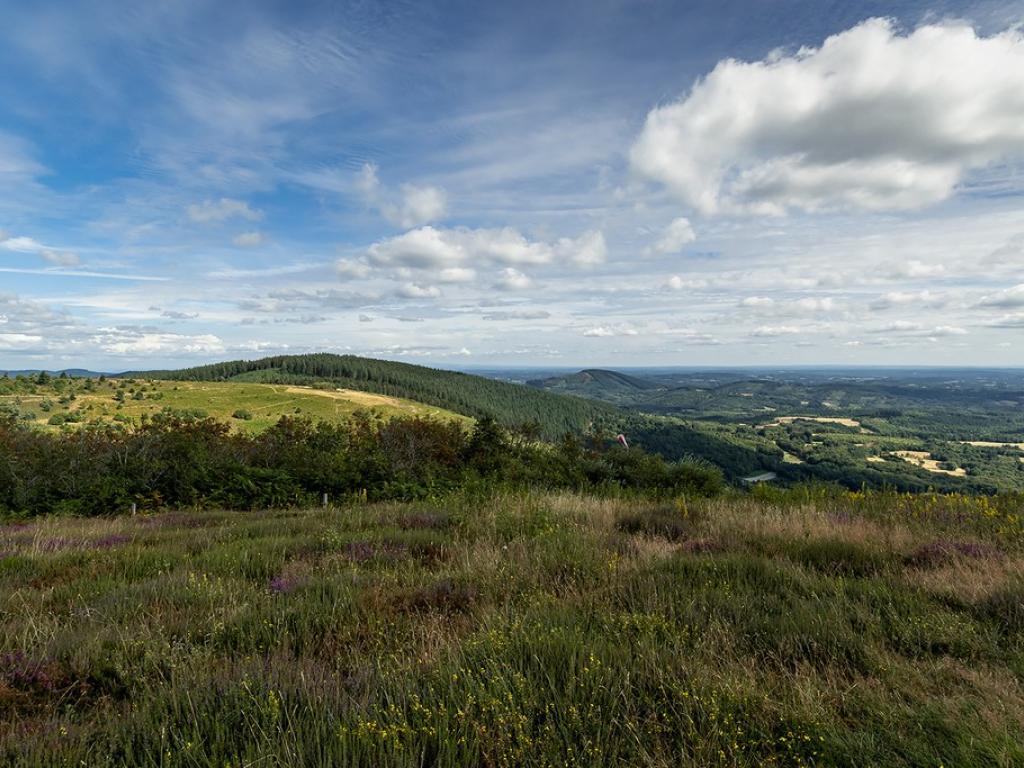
x: 557, y: 413
x: 80, y: 373
x: 599, y: 384
x: 460, y: 392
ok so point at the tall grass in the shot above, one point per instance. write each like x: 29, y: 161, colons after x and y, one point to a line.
x: 519, y: 629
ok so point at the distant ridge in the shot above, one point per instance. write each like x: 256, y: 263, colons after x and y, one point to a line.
x: 460, y: 392
x: 78, y: 372
x: 596, y: 378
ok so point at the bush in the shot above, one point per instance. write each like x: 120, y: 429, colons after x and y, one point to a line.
x: 184, y: 458
x: 242, y: 414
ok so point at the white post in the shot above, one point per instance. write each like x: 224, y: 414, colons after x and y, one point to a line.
x: 134, y: 508
x: 325, y: 501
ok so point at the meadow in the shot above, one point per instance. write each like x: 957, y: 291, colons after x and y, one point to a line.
x: 800, y: 627
x: 248, y: 407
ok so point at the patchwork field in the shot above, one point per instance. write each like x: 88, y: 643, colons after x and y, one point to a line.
x: 520, y: 630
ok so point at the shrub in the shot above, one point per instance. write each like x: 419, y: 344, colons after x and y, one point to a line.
x: 242, y: 414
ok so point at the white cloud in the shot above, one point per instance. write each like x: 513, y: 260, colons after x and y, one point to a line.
x: 1009, y: 298
x: 873, y: 119
x: 346, y: 268
x: 419, y: 205
x: 677, y: 283
x: 50, y: 255
x: 919, y: 299
x: 59, y: 258
x: 221, y: 210
x: 512, y: 279
x: 457, y: 275
x: 1015, y: 320
x: 21, y: 244
x: 772, y: 331
x: 120, y: 341
x: 432, y: 248
x: 915, y: 269
x: 605, y: 331
x: 413, y: 206
x: 418, y: 291
x: 519, y: 314
x: 249, y: 239
x: 757, y: 302
x: 13, y: 341
x: 587, y: 250
x: 676, y: 235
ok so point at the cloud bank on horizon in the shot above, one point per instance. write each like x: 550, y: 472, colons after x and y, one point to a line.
x: 616, y: 183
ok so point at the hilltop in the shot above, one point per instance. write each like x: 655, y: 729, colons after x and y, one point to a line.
x: 599, y: 384
x: 462, y: 393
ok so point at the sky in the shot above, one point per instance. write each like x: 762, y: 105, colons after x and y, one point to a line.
x: 512, y: 184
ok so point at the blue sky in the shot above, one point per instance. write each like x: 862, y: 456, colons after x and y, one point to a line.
x: 592, y: 183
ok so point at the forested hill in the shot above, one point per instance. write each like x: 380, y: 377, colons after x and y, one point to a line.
x: 464, y: 393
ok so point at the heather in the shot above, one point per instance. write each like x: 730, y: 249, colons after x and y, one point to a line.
x: 490, y: 627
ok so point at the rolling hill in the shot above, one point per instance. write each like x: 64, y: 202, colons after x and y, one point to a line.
x: 462, y: 393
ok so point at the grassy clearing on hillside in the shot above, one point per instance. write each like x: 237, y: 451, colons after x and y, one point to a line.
x: 248, y: 407
x: 522, y: 629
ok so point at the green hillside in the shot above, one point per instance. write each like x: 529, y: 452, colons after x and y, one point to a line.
x: 612, y: 386
x: 460, y: 392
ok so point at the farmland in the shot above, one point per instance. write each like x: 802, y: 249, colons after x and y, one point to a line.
x: 520, y: 629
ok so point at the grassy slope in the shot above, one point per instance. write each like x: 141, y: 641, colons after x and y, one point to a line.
x: 519, y: 631
x: 460, y: 392
x: 265, y: 402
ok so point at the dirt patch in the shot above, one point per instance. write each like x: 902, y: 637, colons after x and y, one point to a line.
x: 351, y: 395
x: 924, y: 460
x: 989, y: 444
x: 842, y: 421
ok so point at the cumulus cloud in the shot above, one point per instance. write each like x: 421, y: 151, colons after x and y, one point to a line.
x: 1006, y: 299
x: 512, y: 279
x: 915, y: 269
x: 1015, y: 320
x: 920, y: 299
x: 873, y: 119
x: 773, y: 331
x: 135, y: 341
x: 412, y: 206
x: 347, y: 268
x: 457, y: 275
x: 418, y: 291
x: 214, y: 211
x: 605, y: 331
x: 431, y: 248
x: 678, y: 283
x: 676, y: 235
x: 249, y: 239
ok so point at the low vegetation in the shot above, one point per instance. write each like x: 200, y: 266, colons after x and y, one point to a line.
x: 179, y: 460
x: 808, y: 627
